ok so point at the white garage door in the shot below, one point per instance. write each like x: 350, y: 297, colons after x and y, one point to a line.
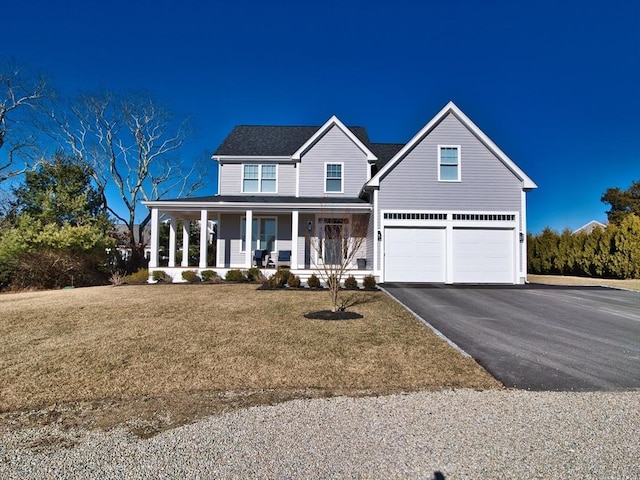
x: 414, y: 255
x: 483, y: 255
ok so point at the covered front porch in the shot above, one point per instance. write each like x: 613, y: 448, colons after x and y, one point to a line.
x: 265, y: 235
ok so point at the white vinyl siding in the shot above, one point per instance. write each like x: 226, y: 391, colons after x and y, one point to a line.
x: 258, y: 178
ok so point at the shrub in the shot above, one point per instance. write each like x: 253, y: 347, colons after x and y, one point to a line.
x: 351, y: 283
x: 293, y: 281
x: 611, y: 252
x: 313, y: 281
x: 160, y: 276
x: 285, y: 273
x: 190, y: 276
x: 254, y: 274
x: 278, y: 279
x: 235, y: 276
x: 117, y: 278
x: 369, y: 282
x: 139, y: 277
x: 51, y: 269
x: 209, y: 276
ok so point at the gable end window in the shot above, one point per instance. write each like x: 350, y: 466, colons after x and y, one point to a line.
x: 333, y: 177
x: 257, y: 178
x: 449, y: 163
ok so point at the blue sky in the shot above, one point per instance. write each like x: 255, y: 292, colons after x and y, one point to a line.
x: 556, y: 84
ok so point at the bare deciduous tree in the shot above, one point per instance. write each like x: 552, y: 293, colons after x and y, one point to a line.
x: 21, y: 95
x: 130, y: 144
x: 335, y: 245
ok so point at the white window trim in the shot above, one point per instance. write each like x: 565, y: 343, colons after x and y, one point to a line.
x: 243, y: 219
x: 459, y: 179
x: 324, y: 177
x: 260, y: 165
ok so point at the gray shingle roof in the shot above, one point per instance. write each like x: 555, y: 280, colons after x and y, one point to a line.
x: 272, y: 140
x: 384, y: 152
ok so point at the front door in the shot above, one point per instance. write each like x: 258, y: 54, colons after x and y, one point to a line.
x: 333, y: 244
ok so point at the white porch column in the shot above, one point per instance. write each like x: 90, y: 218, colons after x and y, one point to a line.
x: 294, y: 239
x: 248, y: 234
x: 204, y: 240
x: 153, y: 261
x: 219, y: 258
x: 186, y: 224
x: 172, y: 242
x: 376, y: 230
x: 523, y: 269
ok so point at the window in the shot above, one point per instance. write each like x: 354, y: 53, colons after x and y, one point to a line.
x: 263, y: 234
x: 333, y: 177
x: 449, y: 163
x: 259, y: 178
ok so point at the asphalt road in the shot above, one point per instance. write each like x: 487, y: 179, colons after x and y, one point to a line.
x: 538, y: 337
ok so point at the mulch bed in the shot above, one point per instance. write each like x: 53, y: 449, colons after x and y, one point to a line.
x: 329, y: 315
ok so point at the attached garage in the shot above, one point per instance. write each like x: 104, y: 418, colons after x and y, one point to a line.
x: 483, y: 255
x: 450, y: 247
x: 415, y: 255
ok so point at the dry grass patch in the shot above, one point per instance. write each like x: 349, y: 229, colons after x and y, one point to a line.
x: 158, y: 356
x: 631, y: 284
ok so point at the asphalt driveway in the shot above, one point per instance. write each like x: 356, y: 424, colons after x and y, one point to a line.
x: 538, y: 337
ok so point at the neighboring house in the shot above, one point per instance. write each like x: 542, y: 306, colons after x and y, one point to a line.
x: 123, y: 245
x: 447, y: 207
x: 590, y: 227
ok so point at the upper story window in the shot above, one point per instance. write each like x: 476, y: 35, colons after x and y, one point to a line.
x: 449, y: 163
x: 333, y: 177
x: 257, y: 178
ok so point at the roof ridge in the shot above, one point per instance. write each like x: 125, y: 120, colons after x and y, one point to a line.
x: 290, y: 126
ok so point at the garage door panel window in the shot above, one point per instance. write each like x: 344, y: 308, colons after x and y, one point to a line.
x: 449, y: 163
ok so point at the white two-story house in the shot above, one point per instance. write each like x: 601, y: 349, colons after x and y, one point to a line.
x: 447, y: 207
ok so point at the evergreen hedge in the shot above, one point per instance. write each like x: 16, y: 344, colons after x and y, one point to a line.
x: 613, y: 252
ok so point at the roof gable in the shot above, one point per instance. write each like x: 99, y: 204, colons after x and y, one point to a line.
x: 590, y: 227
x: 334, y: 122
x: 451, y: 108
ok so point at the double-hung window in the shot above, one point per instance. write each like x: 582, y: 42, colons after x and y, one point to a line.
x: 449, y: 163
x: 258, y: 178
x: 333, y: 177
